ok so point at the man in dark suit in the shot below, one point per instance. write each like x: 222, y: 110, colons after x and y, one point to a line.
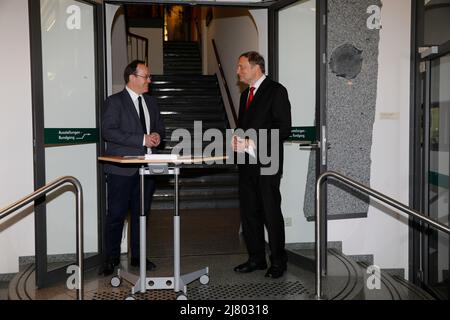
x: 264, y: 105
x: 131, y: 125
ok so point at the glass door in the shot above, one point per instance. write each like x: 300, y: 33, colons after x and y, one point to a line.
x: 435, y: 244
x: 297, y: 36
x: 66, y: 93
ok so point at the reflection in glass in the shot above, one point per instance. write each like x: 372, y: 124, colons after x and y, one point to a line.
x: 438, y: 174
x: 69, y: 93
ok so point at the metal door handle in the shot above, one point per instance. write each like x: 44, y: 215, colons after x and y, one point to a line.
x: 309, y: 145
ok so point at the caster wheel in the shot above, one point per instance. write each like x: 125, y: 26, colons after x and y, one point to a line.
x: 130, y: 298
x: 181, y: 297
x: 116, y: 281
x: 204, y: 279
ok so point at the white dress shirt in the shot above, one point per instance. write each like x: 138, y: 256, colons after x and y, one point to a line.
x: 257, y: 84
x: 134, y: 97
x: 251, y: 148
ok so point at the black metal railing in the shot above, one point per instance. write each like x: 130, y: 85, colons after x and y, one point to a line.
x: 227, y: 89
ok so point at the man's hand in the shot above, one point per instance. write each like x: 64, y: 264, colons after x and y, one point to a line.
x: 152, y: 140
x: 241, y: 145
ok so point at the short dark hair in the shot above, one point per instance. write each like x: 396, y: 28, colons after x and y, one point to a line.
x: 254, y: 58
x: 131, y: 69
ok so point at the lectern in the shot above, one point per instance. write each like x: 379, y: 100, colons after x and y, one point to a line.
x: 177, y: 282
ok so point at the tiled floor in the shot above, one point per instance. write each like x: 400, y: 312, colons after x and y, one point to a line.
x: 209, y: 238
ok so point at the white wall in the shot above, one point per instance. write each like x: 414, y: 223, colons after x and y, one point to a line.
x: 234, y: 32
x: 155, y: 47
x: 383, y: 233
x: 260, y: 17
x: 116, y: 44
x: 16, y: 136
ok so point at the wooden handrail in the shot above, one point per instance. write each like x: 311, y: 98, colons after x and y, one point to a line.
x: 145, y: 40
x: 233, y: 111
x: 199, y: 40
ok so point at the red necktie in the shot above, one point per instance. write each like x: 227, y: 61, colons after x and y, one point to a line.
x: 250, y: 97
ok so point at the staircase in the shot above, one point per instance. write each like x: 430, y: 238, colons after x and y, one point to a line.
x: 185, y: 96
x: 181, y: 58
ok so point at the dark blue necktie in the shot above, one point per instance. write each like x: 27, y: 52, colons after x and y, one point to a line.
x: 142, y: 115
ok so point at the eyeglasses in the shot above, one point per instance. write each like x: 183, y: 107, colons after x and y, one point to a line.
x: 149, y: 78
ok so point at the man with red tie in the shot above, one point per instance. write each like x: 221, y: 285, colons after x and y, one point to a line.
x: 264, y: 107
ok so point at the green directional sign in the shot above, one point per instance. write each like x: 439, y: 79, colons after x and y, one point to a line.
x: 70, y: 135
x: 300, y: 134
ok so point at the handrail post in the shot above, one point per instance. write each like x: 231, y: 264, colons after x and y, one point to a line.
x: 79, y: 219
x: 318, y: 235
x: 80, y: 240
x: 363, y: 189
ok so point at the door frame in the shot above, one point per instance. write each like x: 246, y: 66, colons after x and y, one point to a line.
x: 321, y: 87
x: 418, y: 238
x: 428, y: 234
x: 44, y: 277
x: 321, y: 71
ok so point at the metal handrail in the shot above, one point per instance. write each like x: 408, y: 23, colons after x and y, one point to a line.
x: 373, y: 193
x: 79, y: 219
x: 227, y: 89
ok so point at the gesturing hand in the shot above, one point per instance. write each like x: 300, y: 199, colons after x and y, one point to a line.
x: 152, y: 140
x: 238, y: 144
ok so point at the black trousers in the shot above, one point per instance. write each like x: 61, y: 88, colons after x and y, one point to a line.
x: 123, y: 197
x: 260, y: 203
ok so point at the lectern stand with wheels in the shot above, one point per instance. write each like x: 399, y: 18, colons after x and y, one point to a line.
x: 177, y: 282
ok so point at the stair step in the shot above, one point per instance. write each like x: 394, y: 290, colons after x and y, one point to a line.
x: 193, y: 98
x: 184, y: 63
x: 193, y: 55
x: 181, y: 110
x: 182, y: 71
x: 184, y: 96
x: 164, y: 101
x: 190, y: 125
x: 180, y: 44
x: 185, y: 78
x: 229, y: 179
x: 186, y: 85
x: 196, y: 194
x: 173, y: 117
x: 181, y: 67
x: 185, y: 92
x: 193, y: 204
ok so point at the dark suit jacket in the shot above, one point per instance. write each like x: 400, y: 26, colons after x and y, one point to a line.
x: 122, y: 130
x: 270, y: 109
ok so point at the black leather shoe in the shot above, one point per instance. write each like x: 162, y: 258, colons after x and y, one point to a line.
x: 134, y: 262
x: 275, y: 271
x: 108, y: 266
x: 115, y: 261
x: 250, y: 266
